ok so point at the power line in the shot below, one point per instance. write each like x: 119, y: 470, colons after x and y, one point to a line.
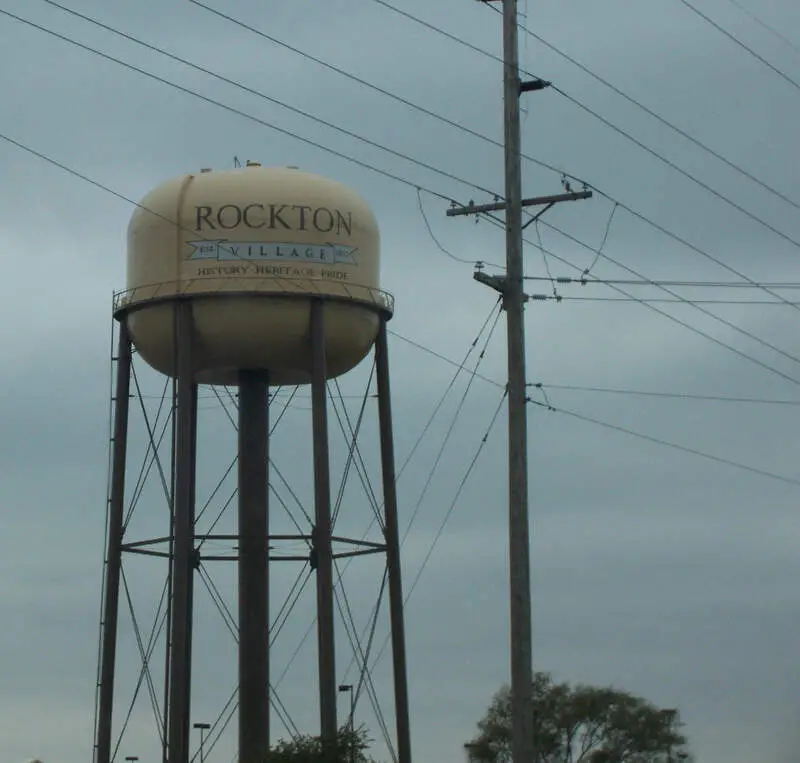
x: 736, y: 40
x: 659, y: 118
x: 583, y: 281
x: 705, y: 186
x: 668, y: 444
x: 449, y: 361
x: 702, y: 184
x: 378, y: 89
x: 214, y: 102
x: 668, y: 316
x: 443, y: 32
x: 656, y: 301
x: 599, y: 252
x: 443, y: 524
x: 433, y: 235
x: 666, y: 395
x: 657, y: 226
x: 703, y: 310
x: 271, y: 99
x: 461, y: 485
x: 603, y: 81
x: 608, y: 425
x: 276, y: 101
x: 763, y: 24
x: 134, y: 203
x: 291, y: 134
x: 497, y: 311
x: 118, y: 195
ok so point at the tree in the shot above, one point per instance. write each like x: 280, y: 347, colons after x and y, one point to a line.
x: 583, y: 724
x: 350, y: 747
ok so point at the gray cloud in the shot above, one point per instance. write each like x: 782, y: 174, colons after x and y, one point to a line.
x: 653, y: 569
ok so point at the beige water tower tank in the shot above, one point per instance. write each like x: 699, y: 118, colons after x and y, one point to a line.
x: 251, y: 248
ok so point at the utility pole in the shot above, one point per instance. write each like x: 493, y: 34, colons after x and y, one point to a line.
x: 511, y: 287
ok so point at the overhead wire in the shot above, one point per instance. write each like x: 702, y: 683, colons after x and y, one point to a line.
x: 794, y: 83
x: 406, y: 102
x: 544, y: 258
x: 685, y: 173
x: 392, y: 175
x: 556, y: 297
x: 657, y: 226
x: 676, y: 295
x: 599, y: 422
x: 764, y: 25
x: 435, y: 240
x: 599, y: 253
x: 584, y: 281
x: 408, y: 183
x: 612, y: 213
x: 666, y: 395
x: 668, y: 444
x: 460, y: 367
x: 253, y: 91
x: 459, y: 489
x: 653, y: 114
x: 443, y: 524
x: 212, y: 101
x: 616, y: 202
x: 448, y: 434
x: 677, y: 168
x: 528, y: 32
x: 416, y: 186
x: 659, y: 118
x: 670, y: 317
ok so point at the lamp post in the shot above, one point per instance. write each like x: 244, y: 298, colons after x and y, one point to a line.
x: 351, y: 721
x: 669, y: 715
x: 203, y: 728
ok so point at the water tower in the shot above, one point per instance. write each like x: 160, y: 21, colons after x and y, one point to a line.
x: 252, y: 277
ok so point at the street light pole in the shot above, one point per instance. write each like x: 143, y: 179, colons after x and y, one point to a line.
x: 203, y: 728
x: 351, y: 721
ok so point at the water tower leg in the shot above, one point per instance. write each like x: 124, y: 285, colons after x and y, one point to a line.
x: 393, y: 548
x: 116, y: 513
x: 321, y: 534
x: 253, y: 566
x: 184, y: 552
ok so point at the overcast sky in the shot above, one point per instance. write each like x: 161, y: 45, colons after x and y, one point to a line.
x: 656, y: 570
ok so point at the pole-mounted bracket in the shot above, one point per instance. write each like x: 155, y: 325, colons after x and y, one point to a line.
x: 498, y: 283
x: 548, y: 201
x: 532, y: 85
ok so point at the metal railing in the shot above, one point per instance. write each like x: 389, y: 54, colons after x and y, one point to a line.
x: 257, y: 286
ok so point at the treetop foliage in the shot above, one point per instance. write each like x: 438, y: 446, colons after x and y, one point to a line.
x: 583, y: 724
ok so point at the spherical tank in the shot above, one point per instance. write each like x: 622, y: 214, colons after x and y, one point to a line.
x: 251, y: 248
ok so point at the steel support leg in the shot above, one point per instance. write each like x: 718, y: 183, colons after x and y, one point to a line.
x: 116, y: 513
x: 183, y: 531
x: 392, y: 536
x: 321, y: 535
x: 253, y: 567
